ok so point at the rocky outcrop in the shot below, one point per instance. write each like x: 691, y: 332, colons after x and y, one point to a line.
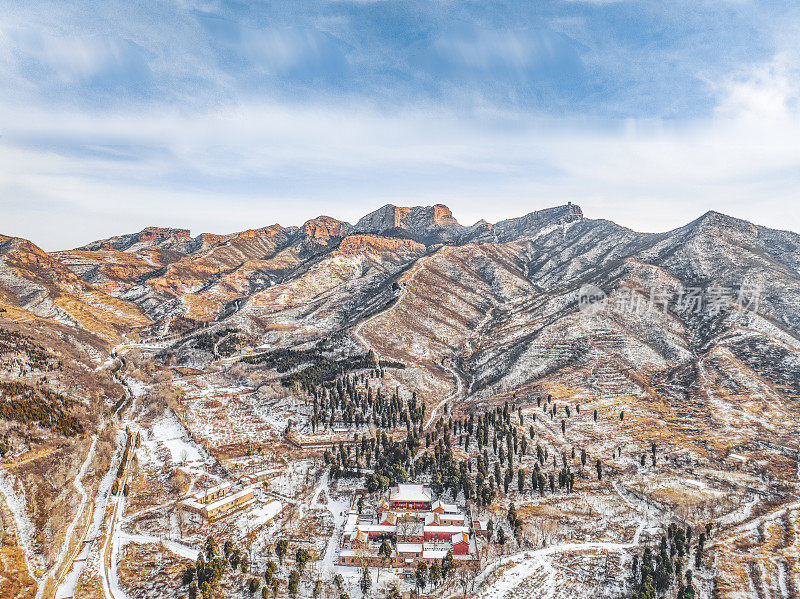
x: 531, y: 223
x: 319, y: 235
x: 147, y: 237
x: 425, y: 224
x: 384, y: 218
x: 433, y: 225
x: 323, y: 228
x: 360, y: 244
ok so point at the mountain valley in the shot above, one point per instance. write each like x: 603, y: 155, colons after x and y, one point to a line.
x: 653, y: 379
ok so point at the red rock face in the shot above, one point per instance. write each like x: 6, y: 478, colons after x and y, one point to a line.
x: 429, y: 223
x: 355, y: 244
x: 442, y: 215
x: 324, y: 227
x: 400, y: 214
x: 150, y: 235
x: 274, y: 230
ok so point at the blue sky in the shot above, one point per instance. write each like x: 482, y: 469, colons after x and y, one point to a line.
x: 223, y: 116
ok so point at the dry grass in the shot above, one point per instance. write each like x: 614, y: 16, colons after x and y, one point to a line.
x: 147, y: 570
x: 15, y: 582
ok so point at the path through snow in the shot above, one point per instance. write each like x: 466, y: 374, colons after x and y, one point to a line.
x: 78, y: 484
x: 22, y: 523
x: 529, y: 563
x: 338, y: 510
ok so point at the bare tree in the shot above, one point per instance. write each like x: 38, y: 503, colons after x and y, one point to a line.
x: 465, y: 578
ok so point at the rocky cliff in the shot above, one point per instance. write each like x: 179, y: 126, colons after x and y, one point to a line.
x: 426, y: 224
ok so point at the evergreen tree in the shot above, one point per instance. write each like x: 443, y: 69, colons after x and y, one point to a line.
x: 512, y: 515
x: 421, y: 576
x: 301, y: 558
x: 294, y: 583
x: 280, y: 549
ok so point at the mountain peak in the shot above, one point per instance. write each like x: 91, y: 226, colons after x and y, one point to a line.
x: 717, y: 221
x: 324, y: 227
x: 427, y: 224
x: 534, y: 221
x: 151, y: 236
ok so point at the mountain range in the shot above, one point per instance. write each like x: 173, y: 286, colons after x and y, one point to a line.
x: 694, y: 333
x: 494, y: 296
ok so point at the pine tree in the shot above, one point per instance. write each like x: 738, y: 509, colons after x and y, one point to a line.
x: 294, y: 582
x: 280, y: 549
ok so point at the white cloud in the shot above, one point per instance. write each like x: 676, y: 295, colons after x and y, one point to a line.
x: 768, y: 92
x: 251, y: 165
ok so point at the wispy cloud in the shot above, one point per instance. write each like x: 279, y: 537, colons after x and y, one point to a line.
x: 273, y: 163
x: 766, y: 92
x: 115, y: 116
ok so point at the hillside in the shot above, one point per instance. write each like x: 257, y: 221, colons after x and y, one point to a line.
x: 669, y: 361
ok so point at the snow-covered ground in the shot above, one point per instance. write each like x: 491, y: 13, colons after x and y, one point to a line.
x: 66, y: 589
x: 338, y: 507
x: 14, y: 498
x: 72, y: 576
x: 167, y: 432
x: 534, y: 564
x: 264, y: 513
x: 181, y: 549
